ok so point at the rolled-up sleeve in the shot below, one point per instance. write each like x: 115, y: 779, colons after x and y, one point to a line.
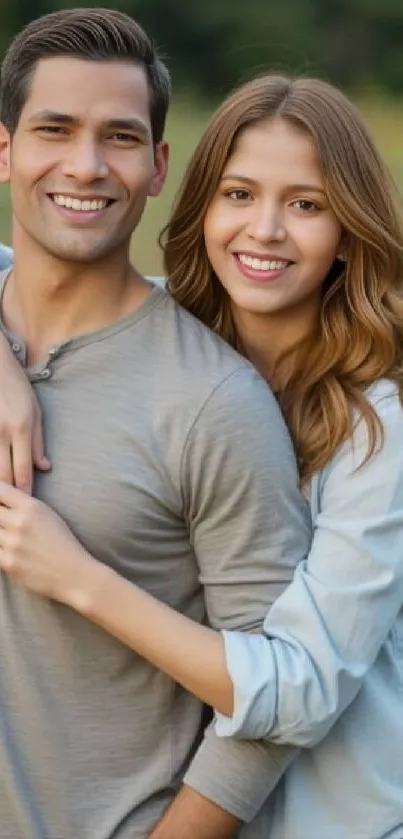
x: 324, y: 632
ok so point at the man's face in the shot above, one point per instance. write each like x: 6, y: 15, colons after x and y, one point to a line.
x: 81, y: 162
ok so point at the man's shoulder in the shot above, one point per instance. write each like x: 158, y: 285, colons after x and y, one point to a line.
x: 198, y: 361
x: 202, y: 348
x: 6, y: 257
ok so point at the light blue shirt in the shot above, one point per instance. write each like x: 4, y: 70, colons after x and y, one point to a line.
x: 327, y: 673
x: 6, y: 257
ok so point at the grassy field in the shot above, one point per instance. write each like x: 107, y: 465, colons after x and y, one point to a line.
x: 185, y: 125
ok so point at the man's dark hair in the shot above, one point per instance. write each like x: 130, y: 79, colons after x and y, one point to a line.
x: 88, y: 34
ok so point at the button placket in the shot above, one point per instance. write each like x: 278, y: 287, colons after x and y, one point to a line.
x: 46, y: 372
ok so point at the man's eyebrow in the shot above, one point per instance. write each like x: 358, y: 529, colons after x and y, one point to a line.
x: 54, y: 116
x: 128, y: 124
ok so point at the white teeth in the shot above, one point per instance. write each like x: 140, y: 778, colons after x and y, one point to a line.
x: 262, y: 264
x: 83, y: 206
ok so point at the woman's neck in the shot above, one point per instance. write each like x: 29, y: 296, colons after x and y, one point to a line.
x: 268, y: 339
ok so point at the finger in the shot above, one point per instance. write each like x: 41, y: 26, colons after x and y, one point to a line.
x: 38, y: 454
x: 10, y: 496
x: 6, y: 465
x: 22, y: 463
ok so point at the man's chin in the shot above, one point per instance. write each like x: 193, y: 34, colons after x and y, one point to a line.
x: 80, y: 254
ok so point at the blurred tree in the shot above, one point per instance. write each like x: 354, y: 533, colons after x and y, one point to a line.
x: 212, y: 45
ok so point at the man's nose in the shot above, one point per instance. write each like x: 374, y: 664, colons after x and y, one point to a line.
x: 86, y: 162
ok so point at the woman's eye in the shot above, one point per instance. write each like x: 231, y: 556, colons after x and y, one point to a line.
x: 238, y: 194
x: 306, y: 205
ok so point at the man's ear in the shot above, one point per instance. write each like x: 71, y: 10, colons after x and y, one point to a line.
x: 5, y: 146
x: 161, y: 159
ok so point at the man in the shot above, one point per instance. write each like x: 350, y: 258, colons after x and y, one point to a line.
x: 170, y: 460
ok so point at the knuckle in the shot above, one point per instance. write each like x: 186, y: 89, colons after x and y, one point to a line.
x: 26, y: 514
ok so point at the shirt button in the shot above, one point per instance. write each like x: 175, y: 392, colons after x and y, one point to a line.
x: 52, y: 352
x: 16, y: 347
x: 45, y: 374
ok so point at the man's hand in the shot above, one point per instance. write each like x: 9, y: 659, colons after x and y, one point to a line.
x: 38, y: 550
x: 191, y: 816
x: 21, y: 442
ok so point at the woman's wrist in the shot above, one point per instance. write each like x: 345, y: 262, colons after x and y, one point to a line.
x: 90, y: 587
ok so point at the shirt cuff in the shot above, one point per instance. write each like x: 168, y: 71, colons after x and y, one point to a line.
x: 252, y: 669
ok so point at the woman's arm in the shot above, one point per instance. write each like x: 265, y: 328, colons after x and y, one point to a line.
x: 323, y: 634
x: 190, y: 653
x: 21, y: 442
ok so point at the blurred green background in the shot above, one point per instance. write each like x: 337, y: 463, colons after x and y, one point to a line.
x: 216, y: 44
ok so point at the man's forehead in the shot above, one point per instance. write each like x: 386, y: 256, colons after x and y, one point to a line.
x: 103, y: 89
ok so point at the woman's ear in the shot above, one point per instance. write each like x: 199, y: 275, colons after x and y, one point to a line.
x: 343, y: 248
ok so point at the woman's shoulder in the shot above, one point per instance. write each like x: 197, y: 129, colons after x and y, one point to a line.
x: 350, y: 464
x: 385, y: 398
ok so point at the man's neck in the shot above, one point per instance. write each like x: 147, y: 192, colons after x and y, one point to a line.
x: 47, y: 301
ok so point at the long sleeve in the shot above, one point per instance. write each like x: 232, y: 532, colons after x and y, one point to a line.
x: 323, y: 634
x: 249, y: 527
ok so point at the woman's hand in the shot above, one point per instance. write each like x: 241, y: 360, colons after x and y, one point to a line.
x: 38, y: 550
x: 21, y: 441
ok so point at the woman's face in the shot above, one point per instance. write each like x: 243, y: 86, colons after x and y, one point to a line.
x: 270, y: 234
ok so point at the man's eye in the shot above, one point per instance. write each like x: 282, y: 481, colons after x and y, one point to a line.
x: 52, y: 129
x: 121, y: 137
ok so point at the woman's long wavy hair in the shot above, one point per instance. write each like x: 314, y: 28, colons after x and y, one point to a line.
x: 360, y: 333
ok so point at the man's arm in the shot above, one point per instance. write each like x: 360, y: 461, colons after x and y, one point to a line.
x: 249, y: 527
x: 191, y: 816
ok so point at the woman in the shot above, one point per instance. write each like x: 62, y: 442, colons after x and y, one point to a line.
x: 286, y: 240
